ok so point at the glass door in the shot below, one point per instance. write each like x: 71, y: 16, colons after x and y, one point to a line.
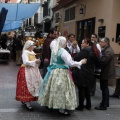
x: 85, y: 28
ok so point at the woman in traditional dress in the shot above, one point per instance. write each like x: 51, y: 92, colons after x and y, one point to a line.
x: 58, y: 89
x: 29, y: 78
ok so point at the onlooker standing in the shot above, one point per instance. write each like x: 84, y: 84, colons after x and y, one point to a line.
x: 10, y: 46
x: 4, y: 39
x: 53, y: 33
x: 19, y: 47
x: 107, y: 72
x: 95, y: 40
x: 72, y: 45
x: 93, y: 82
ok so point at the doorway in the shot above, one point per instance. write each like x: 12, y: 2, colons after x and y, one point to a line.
x: 85, y: 28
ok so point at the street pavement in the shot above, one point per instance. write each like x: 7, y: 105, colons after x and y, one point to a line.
x: 10, y: 109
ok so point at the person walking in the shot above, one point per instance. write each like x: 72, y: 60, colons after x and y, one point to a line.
x: 107, y: 72
x: 29, y: 78
x: 58, y: 89
x: 85, y: 75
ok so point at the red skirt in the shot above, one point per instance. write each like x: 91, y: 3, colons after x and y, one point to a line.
x: 22, y: 93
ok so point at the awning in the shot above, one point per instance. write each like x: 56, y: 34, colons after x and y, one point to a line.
x: 12, y: 26
x: 17, y: 13
x: 3, y: 15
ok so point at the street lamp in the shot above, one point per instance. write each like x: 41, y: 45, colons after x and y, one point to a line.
x: 82, y: 9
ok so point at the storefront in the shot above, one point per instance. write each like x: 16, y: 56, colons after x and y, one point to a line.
x: 84, y: 17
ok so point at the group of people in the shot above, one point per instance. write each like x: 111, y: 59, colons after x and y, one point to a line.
x: 65, y: 67
x: 15, y: 45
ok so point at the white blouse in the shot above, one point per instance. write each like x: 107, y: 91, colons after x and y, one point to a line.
x: 98, y: 47
x: 26, y: 60
x: 66, y: 57
x: 74, y: 50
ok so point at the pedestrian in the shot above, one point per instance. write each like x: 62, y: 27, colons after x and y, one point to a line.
x: 19, y: 47
x: 46, y: 55
x: 10, y: 46
x: 94, y: 40
x: 107, y: 72
x: 58, y: 89
x: 29, y: 78
x: 85, y: 75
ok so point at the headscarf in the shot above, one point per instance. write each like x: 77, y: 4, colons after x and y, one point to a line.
x: 59, y: 44
x: 28, y: 43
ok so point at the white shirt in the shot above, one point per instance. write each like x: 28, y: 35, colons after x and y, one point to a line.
x: 66, y: 57
x: 98, y: 47
x: 53, y: 43
x: 72, y: 49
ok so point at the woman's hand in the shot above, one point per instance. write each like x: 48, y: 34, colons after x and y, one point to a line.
x: 84, y: 61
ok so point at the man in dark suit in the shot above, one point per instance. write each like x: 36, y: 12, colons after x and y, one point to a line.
x: 107, y: 72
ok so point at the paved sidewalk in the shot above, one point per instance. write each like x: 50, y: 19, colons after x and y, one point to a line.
x: 10, y: 109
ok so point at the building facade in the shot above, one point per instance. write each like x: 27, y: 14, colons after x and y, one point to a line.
x: 48, y: 14
x: 84, y: 17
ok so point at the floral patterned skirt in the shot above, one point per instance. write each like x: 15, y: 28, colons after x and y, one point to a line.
x: 22, y: 93
x: 59, y: 92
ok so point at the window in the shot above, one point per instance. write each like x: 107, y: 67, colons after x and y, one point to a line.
x: 56, y: 17
x: 70, y: 14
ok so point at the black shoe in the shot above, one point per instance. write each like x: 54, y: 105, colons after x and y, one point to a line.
x: 104, y: 105
x: 87, y: 107
x: 113, y: 95
x: 80, y: 108
x: 101, y: 108
x: 92, y: 94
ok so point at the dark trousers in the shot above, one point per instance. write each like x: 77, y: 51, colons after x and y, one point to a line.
x: 46, y: 64
x: 105, y: 92
x: 93, y: 85
x: 84, y: 93
x: 117, y: 89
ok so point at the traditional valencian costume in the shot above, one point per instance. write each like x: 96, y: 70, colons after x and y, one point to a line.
x: 29, y: 78
x: 58, y: 89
